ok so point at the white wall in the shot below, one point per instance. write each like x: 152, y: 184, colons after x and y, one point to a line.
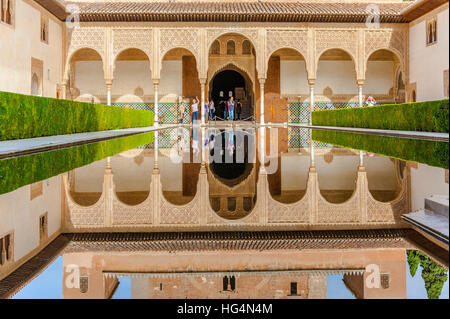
x: 425, y: 181
x: 293, y: 77
x: 128, y: 75
x: 20, y: 214
x: 340, y: 76
x: 171, y: 78
x: 18, y: 44
x: 379, y: 77
x: 427, y: 63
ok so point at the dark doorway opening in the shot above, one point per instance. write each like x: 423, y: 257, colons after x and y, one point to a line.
x: 226, y: 83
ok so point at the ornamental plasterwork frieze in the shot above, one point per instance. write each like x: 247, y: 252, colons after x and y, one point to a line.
x: 391, y: 39
x: 294, y: 39
x: 141, y: 39
x: 346, y: 40
x: 180, y: 38
x: 93, y: 38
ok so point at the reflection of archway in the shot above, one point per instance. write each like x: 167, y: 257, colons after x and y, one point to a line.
x: 232, y: 80
x: 232, y: 174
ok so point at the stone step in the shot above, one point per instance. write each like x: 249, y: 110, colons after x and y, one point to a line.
x: 437, y: 204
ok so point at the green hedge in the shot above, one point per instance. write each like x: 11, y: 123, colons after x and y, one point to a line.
x: 432, y: 153
x: 23, y: 170
x: 431, y: 116
x: 25, y: 116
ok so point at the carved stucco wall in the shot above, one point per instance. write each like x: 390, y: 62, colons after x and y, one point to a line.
x: 358, y: 41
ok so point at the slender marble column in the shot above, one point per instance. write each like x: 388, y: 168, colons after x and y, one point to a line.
x: 261, y: 89
x: 202, y: 98
x: 108, y: 92
x: 360, y: 92
x: 311, y: 99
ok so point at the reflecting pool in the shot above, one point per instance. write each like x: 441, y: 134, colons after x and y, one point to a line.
x: 224, y: 212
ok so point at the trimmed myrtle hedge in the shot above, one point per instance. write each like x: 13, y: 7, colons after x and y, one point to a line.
x: 23, y: 170
x: 25, y: 116
x: 431, y: 116
x: 432, y: 153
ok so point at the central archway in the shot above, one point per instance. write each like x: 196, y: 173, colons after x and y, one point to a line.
x: 231, y: 82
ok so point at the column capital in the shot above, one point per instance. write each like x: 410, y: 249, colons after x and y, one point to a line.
x: 202, y: 81
x: 360, y: 82
x: 262, y: 80
x: 108, y: 82
x: 155, y: 81
x: 311, y: 82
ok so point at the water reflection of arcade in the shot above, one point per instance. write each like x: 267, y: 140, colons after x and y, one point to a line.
x: 232, y: 178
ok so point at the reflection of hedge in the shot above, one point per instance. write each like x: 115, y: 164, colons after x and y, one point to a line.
x: 20, y: 171
x: 431, y: 116
x: 24, y: 116
x: 427, y: 152
x: 433, y: 274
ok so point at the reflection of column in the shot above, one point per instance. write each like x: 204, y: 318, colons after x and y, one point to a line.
x: 204, y: 146
x: 108, y: 185
x: 311, y: 99
x: 156, y: 108
x: 262, y: 149
x: 156, y: 182
x: 202, y: 98
x: 156, y: 150
x: 261, y: 89
x: 108, y: 91
x: 360, y: 92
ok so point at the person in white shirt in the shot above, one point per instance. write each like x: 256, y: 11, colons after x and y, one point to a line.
x: 194, y: 108
x: 371, y: 101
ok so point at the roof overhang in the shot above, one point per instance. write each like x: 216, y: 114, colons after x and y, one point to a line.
x: 224, y: 11
x: 420, y: 8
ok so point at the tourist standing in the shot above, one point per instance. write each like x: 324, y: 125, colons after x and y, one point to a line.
x: 194, y: 108
x: 231, y: 109
x: 181, y: 110
x: 238, y: 109
x: 371, y: 101
x: 211, y: 110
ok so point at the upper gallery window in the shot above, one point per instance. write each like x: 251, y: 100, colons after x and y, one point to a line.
x: 246, y: 47
x: 431, y: 31
x: 215, y: 47
x: 7, y: 11
x: 231, y: 47
x: 44, y: 29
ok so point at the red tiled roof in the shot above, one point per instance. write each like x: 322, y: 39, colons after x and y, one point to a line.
x: 236, y: 12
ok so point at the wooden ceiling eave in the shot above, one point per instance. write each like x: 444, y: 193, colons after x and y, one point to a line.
x: 256, y: 17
